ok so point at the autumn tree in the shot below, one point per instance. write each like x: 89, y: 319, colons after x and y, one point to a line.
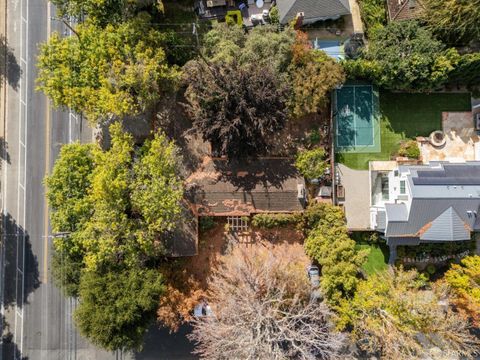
x: 464, y: 280
x: 313, y: 75
x: 117, y: 70
x: 405, y: 56
x: 454, y: 21
x: 261, y: 309
x: 394, y: 315
x: 238, y: 109
x: 328, y: 243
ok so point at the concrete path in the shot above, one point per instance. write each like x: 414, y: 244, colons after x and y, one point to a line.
x: 357, y: 197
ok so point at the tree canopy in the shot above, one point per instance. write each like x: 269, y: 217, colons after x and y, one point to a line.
x: 260, y: 298
x: 454, y: 21
x: 393, y: 316
x: 311, y: 163
x: 405, y: 56
x: 117, y: 70
x: 236, y: 108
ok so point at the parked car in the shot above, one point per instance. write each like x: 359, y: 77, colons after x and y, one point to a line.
x: 313, y: 273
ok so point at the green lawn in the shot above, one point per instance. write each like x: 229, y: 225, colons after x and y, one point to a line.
x: 406, y: 116
x: 377, y: 259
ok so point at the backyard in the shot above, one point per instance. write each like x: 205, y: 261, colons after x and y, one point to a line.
x: 405, y: 116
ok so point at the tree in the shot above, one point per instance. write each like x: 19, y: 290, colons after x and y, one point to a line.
x: 393, y: 316
x: 329, y: 244
x: 117, y: 70
x: 68, y: 185
x: 464, y: 279
x: 454, y: 21
x: 103, y: 12
x: 260, y: 301
x: 409, y: 57
x: 374, y: 14
x: 236, y: 108
x: 118, y: 306
x: 313, y: 75
x: 311, y: 163
x: 262, y: 46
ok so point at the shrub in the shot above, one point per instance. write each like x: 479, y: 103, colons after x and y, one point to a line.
x: 270, y: 221
x: 206, y: 223
x: 431, y: 269
x: 409, y: 149
x: 373, y: 13
x: 311, y: 163
x: 274, y: 15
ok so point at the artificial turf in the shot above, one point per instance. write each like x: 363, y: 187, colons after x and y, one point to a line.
x: 405, y: 116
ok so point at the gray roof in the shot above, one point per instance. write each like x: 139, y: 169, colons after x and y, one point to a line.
x: 447, y: 227
x: 313, y: 9
x: 381, y: 220
x: 396, y: 212
x: 183, y: 241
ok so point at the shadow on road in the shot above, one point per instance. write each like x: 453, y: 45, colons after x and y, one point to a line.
x: 9, y: 66
x: 18, y: 258
x: 4, y: 150
x: 10, y: 350
x: 160, y: 345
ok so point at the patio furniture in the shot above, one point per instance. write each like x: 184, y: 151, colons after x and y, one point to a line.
x: 259, y: 4
x: 438, y: 138
x: 242, y: 6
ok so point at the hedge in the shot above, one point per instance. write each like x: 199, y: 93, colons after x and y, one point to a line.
x: 270, y: 221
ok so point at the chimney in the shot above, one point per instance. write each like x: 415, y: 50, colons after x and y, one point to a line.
x: 301, y: 192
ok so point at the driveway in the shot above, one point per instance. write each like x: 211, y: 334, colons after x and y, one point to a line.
x: 357, y: 197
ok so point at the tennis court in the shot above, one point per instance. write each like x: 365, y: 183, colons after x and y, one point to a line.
x: 357, y: 123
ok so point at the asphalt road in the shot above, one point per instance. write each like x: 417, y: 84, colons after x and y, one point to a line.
x: 36, y: 319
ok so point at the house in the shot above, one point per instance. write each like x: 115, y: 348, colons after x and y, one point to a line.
x: 236, y: 190
x: 434, y: 203
x: 404, y: 9
x: 310, y: 11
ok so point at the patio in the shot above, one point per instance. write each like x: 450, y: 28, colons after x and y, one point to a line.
x: 462, y: 142
x: 246, y: 7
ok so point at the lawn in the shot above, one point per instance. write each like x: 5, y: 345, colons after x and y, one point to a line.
x: 377, y: 259
x: 405, y: 116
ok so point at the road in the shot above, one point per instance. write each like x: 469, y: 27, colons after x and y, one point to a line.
x: 36, y: 319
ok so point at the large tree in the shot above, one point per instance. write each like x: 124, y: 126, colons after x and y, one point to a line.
x: 117, y: 306
x: 260, y: 298
x: 329, y: 244
x: 238, y: 109
x: 117, y: 70
x: 408, y: 57
x: 393, y: 315
x: 455, y: 21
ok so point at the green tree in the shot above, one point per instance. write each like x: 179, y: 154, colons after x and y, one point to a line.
x: 238, y: 109
x: 67, y: 187
x: 157, y: 188
x: 329, y: 244
x: 409, y: 57
x: 103, y: 12
x: 117, y: 70
x: 455, y: 21
x: 118, y: 306
x: 394, y: 316
x: 311, y: 163
x: 374, y: 14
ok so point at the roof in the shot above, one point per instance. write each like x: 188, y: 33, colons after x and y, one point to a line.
x: 404, y: 9
x: 312, y: 9
x: 448, y: 226
x: 265, y: 185
x: 396, y: 212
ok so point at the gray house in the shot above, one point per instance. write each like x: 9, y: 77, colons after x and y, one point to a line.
x: 431, y: 203
x: 311, y: 10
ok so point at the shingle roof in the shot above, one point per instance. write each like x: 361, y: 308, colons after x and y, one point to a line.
x: 222, y: 188
x: 404, y: 9
x: 396, y: 212
x: 184, y: 239
x: 288, y: 9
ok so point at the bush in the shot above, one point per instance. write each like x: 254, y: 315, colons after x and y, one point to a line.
x: 311, y: 163
x: 206, y: 223
x: 430, y: 269
x: 409, y: 149
x: 270, y: 221
x: 373, y: 13
x: 366, y: 237
x: 274, y: 15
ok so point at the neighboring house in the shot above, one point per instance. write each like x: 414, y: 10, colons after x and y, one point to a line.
x: 311, y: 11
x: 433, y: 203
x: 232, y: 190
x: 404, y: 9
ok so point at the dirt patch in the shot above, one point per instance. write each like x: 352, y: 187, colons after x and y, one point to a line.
x: 214, y: 243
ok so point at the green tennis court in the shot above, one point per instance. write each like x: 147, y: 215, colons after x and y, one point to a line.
x: 357, y: 123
